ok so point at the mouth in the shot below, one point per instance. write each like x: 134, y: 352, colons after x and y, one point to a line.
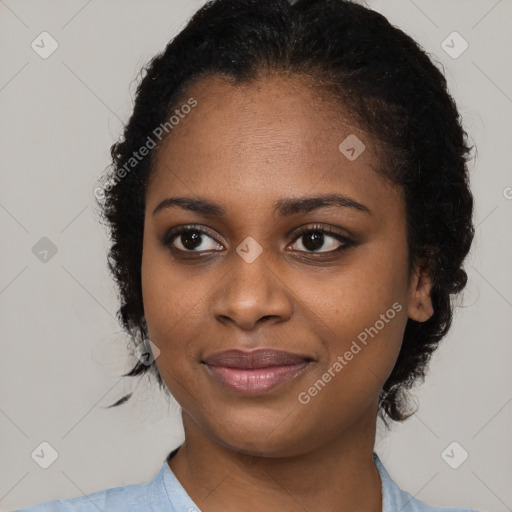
x: 255, y: 372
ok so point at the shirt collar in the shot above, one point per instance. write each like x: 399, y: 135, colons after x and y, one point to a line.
x: 393, y: 498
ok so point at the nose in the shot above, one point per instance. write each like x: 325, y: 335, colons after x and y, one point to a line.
x: 252, y: 294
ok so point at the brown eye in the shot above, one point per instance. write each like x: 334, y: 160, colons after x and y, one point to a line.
x: 188, y: 239
x: 320, y: 240
x: 313, y: 241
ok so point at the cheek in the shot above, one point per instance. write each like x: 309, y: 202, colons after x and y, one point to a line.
x: 168, y: 301
x: 359, y: 356
x: 361, y: 316
x: 360, y: 294
x: 172, y: 309
x: 176, y: 305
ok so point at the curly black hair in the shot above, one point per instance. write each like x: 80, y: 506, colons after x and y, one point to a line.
x: 390, y: 87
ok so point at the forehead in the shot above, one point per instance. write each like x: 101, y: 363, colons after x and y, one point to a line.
x: 271, y: 137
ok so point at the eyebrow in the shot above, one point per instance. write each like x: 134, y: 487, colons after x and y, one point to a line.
x: 283, y: 207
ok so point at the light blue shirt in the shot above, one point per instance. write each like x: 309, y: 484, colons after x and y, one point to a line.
x: 164, y: 493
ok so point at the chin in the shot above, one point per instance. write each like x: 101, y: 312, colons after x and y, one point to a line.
x: 260, y: 434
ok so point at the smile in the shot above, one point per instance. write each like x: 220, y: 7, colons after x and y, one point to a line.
x: 256, y: 371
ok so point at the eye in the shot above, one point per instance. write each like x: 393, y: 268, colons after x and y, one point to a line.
x: 309, y: 239
x: 320, y: 239
x: 191, y: 239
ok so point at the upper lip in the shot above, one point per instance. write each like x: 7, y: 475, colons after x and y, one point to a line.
x: 259, y: 358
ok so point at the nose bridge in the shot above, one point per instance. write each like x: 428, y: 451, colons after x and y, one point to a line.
x: 251, y: 289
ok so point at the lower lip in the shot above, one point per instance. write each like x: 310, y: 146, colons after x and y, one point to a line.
x: 255, y: 381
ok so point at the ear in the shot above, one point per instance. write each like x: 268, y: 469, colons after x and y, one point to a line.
x: 420, y: 286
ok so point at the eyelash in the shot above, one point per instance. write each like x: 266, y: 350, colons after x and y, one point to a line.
x: 316, y: 228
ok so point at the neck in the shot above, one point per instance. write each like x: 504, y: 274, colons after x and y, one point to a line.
x: 336, y: 476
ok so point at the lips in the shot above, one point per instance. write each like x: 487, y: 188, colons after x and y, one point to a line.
x: 261, y: 358
x: 256, y: 372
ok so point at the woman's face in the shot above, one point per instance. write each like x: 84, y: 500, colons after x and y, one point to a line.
x: 249, y: 160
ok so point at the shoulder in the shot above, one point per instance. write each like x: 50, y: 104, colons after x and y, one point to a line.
x: 110, y: 499
x: 395, y: 498
x: 126, y: 498
x: 412, y: 504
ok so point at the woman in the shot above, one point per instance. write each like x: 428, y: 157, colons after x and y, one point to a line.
x: 290, y: 211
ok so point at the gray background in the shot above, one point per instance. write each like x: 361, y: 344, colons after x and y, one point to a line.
x: 62, y: 348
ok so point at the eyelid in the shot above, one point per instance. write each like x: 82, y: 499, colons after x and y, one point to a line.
x: 346, y: 240
x: 173, y: 232
x: 325, y: 229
